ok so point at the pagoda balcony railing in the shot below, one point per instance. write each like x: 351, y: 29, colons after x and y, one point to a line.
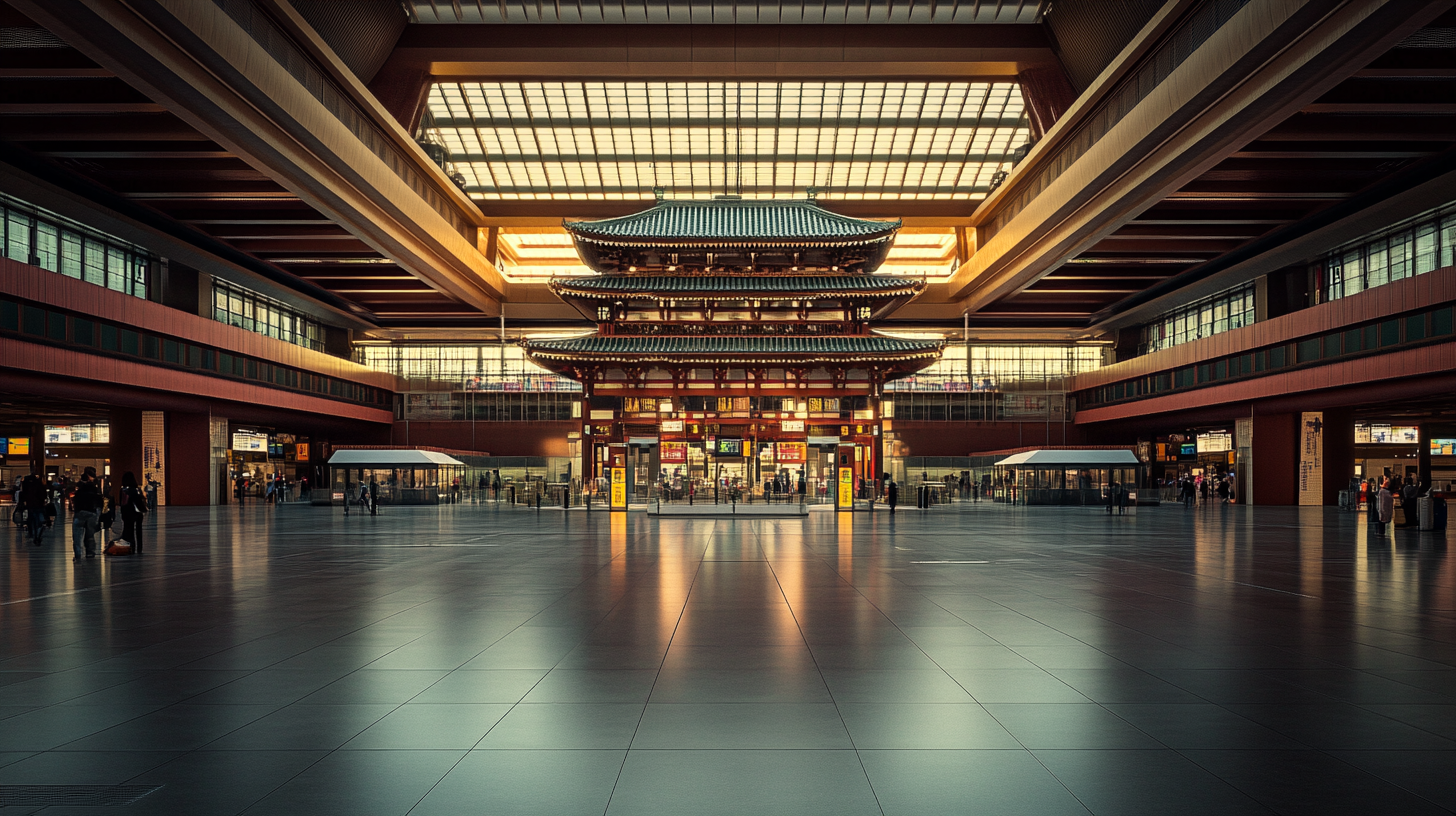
x: 741, y: 329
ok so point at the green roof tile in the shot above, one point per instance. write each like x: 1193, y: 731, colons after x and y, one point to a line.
x: 733, y: 219
x: 733, y: 345
x: 724, y: 283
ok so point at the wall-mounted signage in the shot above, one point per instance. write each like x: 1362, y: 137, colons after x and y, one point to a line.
x: 1443, y: 447
x: 1382, y: 434
x: 249, y: 442
x: 1215, y: 442
x: 598, y: 413
x: 1311, y: 458
x: 89, y: 434
x: 668, y: 452
x: 672, y: 426
x: 725, y: 446
x: 792, y: 426
x: 1188, y: 449
x: 17, y: 446
x: 300, y: 452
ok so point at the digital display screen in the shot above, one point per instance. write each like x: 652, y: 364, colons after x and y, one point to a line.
x: 17, y: 446
x: 728, y: 447
x: 1443, y: 447
x: 249, y: 442
x: 1189, y: 449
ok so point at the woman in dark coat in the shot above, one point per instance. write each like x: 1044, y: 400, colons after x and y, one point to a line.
x: 892, y: 495
x: 133, y: 505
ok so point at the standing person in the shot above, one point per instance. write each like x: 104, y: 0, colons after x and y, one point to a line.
x: 363, y: 496
x: 32, y: 497
x: 1409, y: 494
x: 86, y: 510
x: 892, y: 494
x: 1223, y: 491
x: 1386, y: 504
x: 373, y: 497
x: 133, y: 505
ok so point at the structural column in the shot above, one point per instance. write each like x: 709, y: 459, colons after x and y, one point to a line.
x: 1275, y: 459
x: 126, y: 444
x: 1338, y: 460
x: 189, y: 458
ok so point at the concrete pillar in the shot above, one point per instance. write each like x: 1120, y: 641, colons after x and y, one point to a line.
x: 1339, y: 452
x: 1275, y: 459
x: 189, y: 458
x: 37, y: 449
x: 126, y: 445
x: 1423, y: 456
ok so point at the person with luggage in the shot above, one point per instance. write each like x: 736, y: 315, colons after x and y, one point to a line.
x: 32, y: 497
x: 133, y: 505
x: 1386, y: 502
x: 85, y: 515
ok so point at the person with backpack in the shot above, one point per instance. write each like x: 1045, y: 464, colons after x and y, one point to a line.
x: 133, y: 505
x: 85, y: 515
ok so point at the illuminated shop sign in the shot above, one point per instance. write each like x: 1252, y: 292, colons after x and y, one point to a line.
x: 1215, y: 442
x: 17, y: 446
x: 672, y: 452
x: 792, y: 452
x: 792, y: 426
x: 1443, y: 447
x: 723, y: 446
x: 672, y: 426
x: 1381, y: 434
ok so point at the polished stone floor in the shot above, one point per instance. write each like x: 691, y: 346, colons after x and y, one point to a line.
x: 974, y: 659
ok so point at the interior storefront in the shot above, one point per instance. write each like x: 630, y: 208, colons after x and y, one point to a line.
x: 257, y: 457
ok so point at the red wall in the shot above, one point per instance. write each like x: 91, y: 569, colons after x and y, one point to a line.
x: 1276, y: 459
x: 189, y: 480
x: 495, y: 438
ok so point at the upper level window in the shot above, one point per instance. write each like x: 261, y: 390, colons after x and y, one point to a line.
x: 1231, y: 309
x: 1413, y: 247
x: 36, y: 236
x: 246, y: 309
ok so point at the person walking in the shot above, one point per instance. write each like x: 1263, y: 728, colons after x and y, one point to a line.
x: 133, y: 505
x: 32, y: 497
x: 85, y: 515
x: 373, y: 497
x: 1409, y: 496
x: 363, y: 496
x: 892, y: 494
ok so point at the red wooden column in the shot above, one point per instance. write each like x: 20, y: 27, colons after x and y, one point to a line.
x: 1276, y: 459
x: 189, y: 457
x: 126, y: 444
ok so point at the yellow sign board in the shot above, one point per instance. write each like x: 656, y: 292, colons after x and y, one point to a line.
x: 846, y: 488
x: 619, y: 488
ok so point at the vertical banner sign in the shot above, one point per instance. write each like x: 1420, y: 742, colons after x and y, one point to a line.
x: 1244, y: 447
x: 154, y: 453
x: 1311, y: 459
x: 846, y: 488
x: 619, y: 488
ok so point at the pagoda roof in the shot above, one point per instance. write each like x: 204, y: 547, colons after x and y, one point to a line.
x: 688, y: 348
x: 734, y: 221
x: 611, y: 286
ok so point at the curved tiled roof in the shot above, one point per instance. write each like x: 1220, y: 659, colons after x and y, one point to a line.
x: 672, y: 284
x: 648, y: 346
x: 734, y: 220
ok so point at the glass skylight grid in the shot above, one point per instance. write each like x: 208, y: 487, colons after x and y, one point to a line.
x: 619, y: 140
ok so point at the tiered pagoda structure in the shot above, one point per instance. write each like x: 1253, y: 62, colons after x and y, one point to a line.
x: 734, y: 344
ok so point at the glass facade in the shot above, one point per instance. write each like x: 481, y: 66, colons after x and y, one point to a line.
x: 36, y: 236
x: 972, y: 367
x: 480, y: 367
x: 1224, y: 311
x: 246, y: 309
x: 1413, y: 247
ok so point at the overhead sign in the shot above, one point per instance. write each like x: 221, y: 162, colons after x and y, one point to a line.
x: 17, y: 446
x: 1443, y: 447
x: 1215, y: 442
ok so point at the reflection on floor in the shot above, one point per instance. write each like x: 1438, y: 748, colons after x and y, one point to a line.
x: 968, y: 659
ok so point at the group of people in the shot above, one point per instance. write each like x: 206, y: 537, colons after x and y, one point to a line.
x: 276, y: 488
x: 1381, y: 496
x: 1204, y: 488
x: 93, y: 509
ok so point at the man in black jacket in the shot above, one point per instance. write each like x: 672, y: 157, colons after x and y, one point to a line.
x: 86, y: 504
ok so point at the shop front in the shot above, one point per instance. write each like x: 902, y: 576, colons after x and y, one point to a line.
x: 259, y: 457
x: 397, y: 476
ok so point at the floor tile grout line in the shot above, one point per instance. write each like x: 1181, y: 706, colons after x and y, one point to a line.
x: 512, y: 707
x: 982, y: 706
x: 820, y: 671
x: 687, y: 596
